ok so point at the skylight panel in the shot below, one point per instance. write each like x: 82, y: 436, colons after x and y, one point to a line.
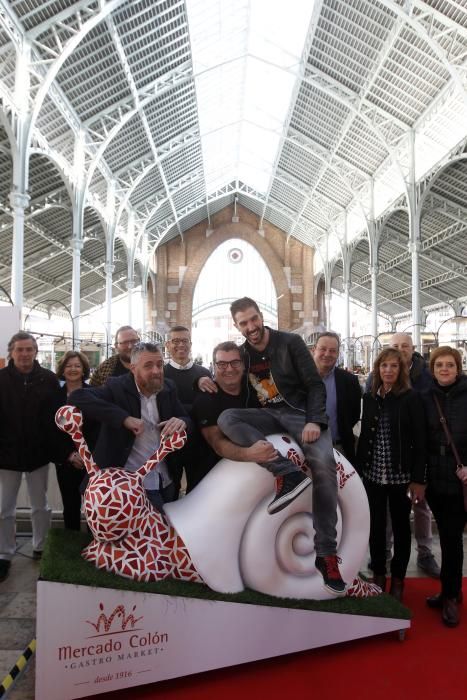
x: 246, y: 59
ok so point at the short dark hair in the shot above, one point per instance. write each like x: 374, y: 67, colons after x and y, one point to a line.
x: 124, y: 328
x: 329, y: 334
x: 446, y: 350
x: 226, y: 346
x: 143, y: 346
x: 402, y: 383
x: 179, y: 329
x: 21, y: 335
x: 69, y: 355
x: 242, y: 305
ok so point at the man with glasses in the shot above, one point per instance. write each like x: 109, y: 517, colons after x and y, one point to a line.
x: 180, y: 367
x: 182, y: 370
x: 229, y: 390
x: 136, y: 411
x: 125, y: 339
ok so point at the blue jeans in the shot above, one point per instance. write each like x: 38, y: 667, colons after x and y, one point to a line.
x: 245, y: 426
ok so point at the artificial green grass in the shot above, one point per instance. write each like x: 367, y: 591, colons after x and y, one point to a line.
x: 62, y: 563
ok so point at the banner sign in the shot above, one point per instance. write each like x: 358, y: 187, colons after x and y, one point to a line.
x: 96, y: 640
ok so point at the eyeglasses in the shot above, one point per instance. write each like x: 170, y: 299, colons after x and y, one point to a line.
x: 129, y: 343
x: 180, y: 341
x: 235, y: 364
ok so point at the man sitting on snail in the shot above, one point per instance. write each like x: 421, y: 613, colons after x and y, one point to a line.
x: 229, y: 390
x: 298, y: 406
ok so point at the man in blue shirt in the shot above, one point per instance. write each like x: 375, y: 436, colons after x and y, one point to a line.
x: 343, y: 394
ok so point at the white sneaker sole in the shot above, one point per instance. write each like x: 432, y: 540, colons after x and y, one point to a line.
x: 338, y: 594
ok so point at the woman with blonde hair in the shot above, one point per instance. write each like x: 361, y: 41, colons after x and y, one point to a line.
x: 391, y: 461
x: 446, y: 412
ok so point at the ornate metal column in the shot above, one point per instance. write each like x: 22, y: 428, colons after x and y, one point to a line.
x: 414, y: 243
x: 19, y: 199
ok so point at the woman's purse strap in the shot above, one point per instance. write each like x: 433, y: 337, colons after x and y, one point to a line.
x: 447, y: 432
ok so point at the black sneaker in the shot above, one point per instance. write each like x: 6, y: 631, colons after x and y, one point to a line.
x: 329, y: 568
x: 288, y: 487
x: 4, y: 569
x: 37, y: 554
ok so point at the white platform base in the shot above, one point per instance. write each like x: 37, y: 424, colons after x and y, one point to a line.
x: 94, y: 640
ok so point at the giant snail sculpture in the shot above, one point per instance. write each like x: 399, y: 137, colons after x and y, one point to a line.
x: 220, y: 534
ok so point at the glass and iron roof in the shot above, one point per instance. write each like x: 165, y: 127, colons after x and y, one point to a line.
x: 165, y: 111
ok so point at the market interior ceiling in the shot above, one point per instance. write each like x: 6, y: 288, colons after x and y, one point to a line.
x: 162, y: 112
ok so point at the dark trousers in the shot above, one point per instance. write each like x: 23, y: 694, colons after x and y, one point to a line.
x: 379, y: 496
x: 157, y: 498
x: 450, y: 517
x: 69, y: 479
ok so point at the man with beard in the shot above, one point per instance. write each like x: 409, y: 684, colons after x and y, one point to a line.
x: 125, y: 339
x: 293, y: 398
x: 137, y: 411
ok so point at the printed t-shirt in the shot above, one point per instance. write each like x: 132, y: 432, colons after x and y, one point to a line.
x: 206, y: 410
x: 261, y: 379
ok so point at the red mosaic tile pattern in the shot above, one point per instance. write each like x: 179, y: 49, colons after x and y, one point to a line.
x: 362, y: 589
x: 342, y: 476
x: 131, y: 538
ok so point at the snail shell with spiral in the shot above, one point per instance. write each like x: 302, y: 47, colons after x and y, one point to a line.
x: 235, y: 544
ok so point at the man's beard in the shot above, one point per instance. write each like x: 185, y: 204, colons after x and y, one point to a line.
x: 260, y: 337
x: 152, y: 386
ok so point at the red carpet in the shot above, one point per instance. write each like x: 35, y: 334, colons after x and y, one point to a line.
x: 430, y: 664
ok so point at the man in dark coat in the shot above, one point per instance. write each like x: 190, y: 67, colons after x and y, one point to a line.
x: 25, y: 388
x: 182, y: 370
x: 343, y: 394
x: 137, y: 410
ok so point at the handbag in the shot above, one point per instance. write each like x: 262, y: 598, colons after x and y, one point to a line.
x: 461, y: 469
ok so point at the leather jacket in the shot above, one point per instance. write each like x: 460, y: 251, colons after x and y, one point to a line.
x: 295, y: 374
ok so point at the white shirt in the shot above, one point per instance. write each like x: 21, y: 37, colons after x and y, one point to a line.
x: 188, y: 365
x: 146, y: 444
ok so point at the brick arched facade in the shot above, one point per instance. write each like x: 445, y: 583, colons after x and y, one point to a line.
x: 179, y: 265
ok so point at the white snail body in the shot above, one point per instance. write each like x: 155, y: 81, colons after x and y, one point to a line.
x: 235, y: 544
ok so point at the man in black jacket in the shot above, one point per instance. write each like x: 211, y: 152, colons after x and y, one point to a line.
x: 343, y: 394
x: 25, y: 388
x: 137, y: 410
x: 293, y: 396
x: 182, y: 370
